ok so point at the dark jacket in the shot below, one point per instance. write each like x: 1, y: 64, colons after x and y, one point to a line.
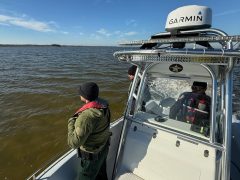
x: 90, y: 129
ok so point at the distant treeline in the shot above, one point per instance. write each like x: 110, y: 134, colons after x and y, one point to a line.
x: 8, y: 45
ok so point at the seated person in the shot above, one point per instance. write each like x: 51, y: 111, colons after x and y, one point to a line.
x: 193, y: 107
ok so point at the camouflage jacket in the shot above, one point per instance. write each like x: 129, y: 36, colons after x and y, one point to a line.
x: 89, y: 130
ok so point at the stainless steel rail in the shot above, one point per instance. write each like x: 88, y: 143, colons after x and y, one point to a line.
x: 226, y: 161
x: 181, y: 52
x: 192, y: 39
x: 213, y: 104
x: 218, y: 57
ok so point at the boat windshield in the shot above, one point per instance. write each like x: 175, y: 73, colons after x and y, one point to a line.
x: 175, y: 104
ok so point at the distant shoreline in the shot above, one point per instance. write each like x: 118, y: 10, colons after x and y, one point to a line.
x: 52, y: 45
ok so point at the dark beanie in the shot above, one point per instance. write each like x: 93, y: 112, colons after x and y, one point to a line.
x: 89, y: 91
x: 132, y: 70
x: 201, y: 84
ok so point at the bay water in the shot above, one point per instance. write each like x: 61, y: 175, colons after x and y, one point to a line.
x: 39, y: 92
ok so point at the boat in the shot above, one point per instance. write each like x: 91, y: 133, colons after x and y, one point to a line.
x: 149, y: 144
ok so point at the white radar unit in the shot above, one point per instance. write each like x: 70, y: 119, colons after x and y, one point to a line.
x: 189, y: 17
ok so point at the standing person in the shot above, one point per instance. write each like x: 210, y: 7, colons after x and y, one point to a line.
x: 146, y: 94
x: 88, y: 131
x: 131, y: 72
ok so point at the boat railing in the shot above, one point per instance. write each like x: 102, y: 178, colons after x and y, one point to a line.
x: 206, y: 56
x: 185, y: 39
x: 47, y: 164
x: 188, y: 36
